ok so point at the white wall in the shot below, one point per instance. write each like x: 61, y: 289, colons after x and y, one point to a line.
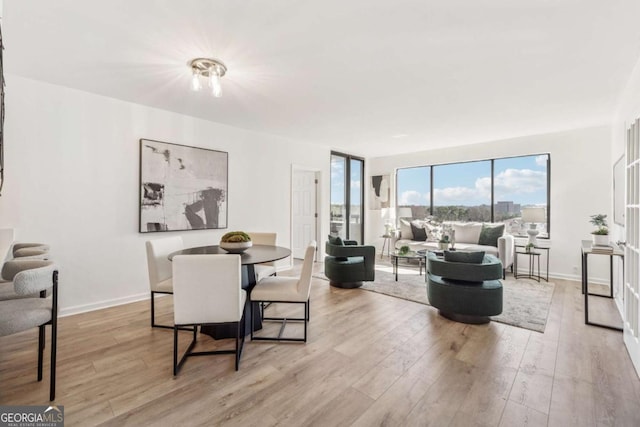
x: 580, y: 186
x: 72, y: 165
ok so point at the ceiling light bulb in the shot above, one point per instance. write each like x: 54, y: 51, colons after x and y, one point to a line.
x: 195, y: 81
x: 214, y: 83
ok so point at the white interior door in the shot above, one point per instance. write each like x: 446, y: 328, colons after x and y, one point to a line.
x: 631, y: 312
x: 304, y: 213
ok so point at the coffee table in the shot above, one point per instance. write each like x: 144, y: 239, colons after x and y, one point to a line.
x: 411, y: 255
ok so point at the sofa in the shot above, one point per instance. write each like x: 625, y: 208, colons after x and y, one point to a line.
x: 466, y: 236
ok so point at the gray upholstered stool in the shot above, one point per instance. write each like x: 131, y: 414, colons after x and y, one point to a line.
x: 465, y: 292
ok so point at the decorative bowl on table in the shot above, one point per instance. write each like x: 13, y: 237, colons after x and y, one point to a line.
x: 236, y: 242
x: 235, y: 247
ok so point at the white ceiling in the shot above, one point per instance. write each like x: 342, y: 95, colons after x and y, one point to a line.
x: 369, y: 77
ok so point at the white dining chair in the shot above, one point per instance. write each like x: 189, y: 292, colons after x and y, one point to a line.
x: 19, y: 315
x: 290, y: 290
x: 207, y: 291
x: 160, y: 271
x: 268, y: 268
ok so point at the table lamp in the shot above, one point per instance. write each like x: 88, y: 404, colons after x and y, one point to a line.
x: 405, y: 212
x: 388, y: 216
x: 533, y: 216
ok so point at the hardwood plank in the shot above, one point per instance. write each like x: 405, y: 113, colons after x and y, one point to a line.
x: 370, y: 360
x: 520, y: 415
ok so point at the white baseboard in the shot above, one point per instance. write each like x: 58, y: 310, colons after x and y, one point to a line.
x: 102, y: 304
x: 572, y: 277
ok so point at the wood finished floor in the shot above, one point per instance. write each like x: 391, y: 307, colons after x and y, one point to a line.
x: 370, y: 360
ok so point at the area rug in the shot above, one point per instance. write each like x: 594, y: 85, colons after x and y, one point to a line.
x: 525, y: 302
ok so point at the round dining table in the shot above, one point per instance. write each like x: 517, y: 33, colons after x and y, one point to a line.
x: 256, y: 254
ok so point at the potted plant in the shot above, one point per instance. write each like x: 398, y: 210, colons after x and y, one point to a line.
x: 403, y: 250
x: 529, y: 247
x: 443, y: 243
x: 601, y: 234
x: 235, y: 242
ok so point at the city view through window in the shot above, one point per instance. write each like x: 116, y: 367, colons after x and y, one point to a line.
x: 463, y: 191
x: 347, y: 173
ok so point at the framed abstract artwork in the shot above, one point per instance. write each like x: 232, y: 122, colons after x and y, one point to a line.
x: 182, y: 187
x: 380, y: 192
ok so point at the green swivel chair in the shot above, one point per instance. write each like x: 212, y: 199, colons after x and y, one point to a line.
x: 464, y: 289
x: 348, y: 264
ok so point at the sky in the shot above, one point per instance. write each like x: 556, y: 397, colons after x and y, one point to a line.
x: 522, y: 180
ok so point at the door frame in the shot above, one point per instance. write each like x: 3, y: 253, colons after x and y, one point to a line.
x: 347, y: 190
x: 631, y: 282
x: 318, y: 173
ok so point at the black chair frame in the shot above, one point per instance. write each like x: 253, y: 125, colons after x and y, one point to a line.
x: 54, y: 337
x: 194, y: 328
x: 153, y: 312
x: 283, y: 320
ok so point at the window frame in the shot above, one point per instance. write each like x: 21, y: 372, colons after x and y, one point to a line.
x: 492, y: 162
x: 347, y: 223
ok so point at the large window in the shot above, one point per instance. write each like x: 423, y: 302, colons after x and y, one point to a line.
x: 492, y: 190
x: 414, y: 192
x: 462, y: 191
x: 347, y: 174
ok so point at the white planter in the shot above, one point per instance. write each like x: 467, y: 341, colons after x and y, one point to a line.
x: 600, y: 239
x: 235, y: 247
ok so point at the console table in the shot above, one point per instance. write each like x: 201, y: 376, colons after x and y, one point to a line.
x: 586, y: 250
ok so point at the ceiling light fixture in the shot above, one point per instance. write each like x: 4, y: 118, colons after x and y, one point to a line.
x: 210, y: 69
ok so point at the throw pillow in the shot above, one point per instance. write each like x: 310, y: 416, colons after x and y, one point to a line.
x: 489, y: 235
x: 467, y: 232
x: 336, y: 240
x: 419, y: 233
x: 405, y: 230
x: 466, y: 257
x: 433, y: 232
